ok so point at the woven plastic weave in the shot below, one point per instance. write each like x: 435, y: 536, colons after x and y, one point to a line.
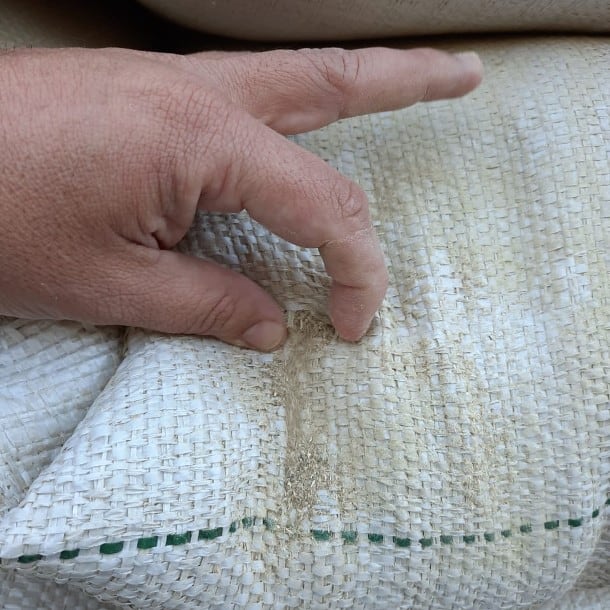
x: 458, y: 457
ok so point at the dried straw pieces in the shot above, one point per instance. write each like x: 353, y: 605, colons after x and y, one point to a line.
x: 458, y: 457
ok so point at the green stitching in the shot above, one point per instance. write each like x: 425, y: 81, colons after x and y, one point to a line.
x: 29, y: 558
x: 69, y: 554
x: 175, y: 539
x: 110, y: 548
x: 551, y: 525
x: 348, y: 536
x: 403, y: 543
x: 148, y: 543
x: 321, y: 535
x: 209, y: 534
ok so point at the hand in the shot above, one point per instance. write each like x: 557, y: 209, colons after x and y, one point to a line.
x: 107, y: 154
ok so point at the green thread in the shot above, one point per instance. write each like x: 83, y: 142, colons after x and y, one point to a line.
x: 209, y: 534
x: 348, y: 536
x: 551, y: 525
x: 321, y: 535
x: 110, y: 548
x: 29, y: 558
x: 403, y: 543
x: 69, y: 554
x: 176, y: 539
x: 148, y: 543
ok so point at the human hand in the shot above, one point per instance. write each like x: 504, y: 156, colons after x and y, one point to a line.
x: 107, y: 155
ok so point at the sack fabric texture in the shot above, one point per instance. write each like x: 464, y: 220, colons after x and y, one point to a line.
x: 290, y: 20
x: 458, y: 457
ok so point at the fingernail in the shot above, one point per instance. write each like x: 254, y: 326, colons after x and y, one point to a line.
x: 265, y: 336
x: 470, y: 58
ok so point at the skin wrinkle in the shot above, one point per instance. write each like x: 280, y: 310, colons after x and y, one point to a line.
x: 367, y: 234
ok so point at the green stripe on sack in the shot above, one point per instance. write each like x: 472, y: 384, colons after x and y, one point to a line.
x: 210, y: 534
x: 551, y: 525
x: 177, y: 539
x: 347, y: 536
x: 321, y: 535
x: 110, y: 548
x: 148, y: 543
x: 29, y: 558
x: 402, y: 543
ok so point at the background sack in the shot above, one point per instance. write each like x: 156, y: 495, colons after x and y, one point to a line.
x: 352, y: 19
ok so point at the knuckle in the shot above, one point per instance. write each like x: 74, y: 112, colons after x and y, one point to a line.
x: 215, y: 320
x: 341, y: 67
x: 352, y: 203
x: 337, y: 69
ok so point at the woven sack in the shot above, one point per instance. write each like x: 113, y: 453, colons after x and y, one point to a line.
x: 358, y: 19
x: 458, y: 457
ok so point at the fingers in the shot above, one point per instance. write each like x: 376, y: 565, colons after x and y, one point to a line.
x: 175, y: 293
x: 302, y: 199
x: 296, y: 91
x: 238, y: 163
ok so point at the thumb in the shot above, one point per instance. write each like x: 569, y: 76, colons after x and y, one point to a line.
x: 185, y: 295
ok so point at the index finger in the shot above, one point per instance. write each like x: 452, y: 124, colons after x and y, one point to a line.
x: 296, y: 91
x: 302, y: 199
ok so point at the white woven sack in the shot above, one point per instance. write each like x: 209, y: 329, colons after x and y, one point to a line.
x: 458, y: 457
x: 357, y: 19
x: 50, y: 373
